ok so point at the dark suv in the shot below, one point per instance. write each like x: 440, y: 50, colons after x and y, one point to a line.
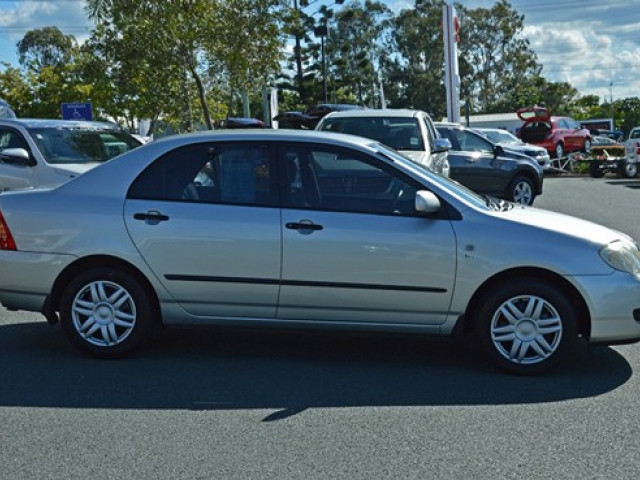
x: 487, y: 168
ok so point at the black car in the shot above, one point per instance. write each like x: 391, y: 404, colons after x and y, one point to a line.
x: 308, y: 119
x: 487, y: 168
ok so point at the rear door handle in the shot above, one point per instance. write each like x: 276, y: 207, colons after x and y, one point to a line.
x: 303, y: 226
x: 152, y: 217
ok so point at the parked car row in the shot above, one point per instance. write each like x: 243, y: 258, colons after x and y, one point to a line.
x: 448, y: 149
x: 302, y: 229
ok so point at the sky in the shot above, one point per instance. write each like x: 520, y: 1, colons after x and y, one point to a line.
x: 592, y: 44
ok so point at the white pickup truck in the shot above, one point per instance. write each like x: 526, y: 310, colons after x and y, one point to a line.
x: 632, y: 152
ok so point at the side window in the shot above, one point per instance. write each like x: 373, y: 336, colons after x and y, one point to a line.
x: 11, y: 139
x: 323, y: 178
x: 237, y: 174
x: 469, y: 142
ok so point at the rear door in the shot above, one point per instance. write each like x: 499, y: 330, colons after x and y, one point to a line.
x: 205, y: 219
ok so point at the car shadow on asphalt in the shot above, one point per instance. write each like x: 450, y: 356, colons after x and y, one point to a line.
x: 284, y: 371
x: 633, y: 184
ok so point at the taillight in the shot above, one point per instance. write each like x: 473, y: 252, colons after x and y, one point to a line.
x: 637, y: 148
x: 6, y: 239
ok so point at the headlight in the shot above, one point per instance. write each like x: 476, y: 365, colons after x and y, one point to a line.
x: 623, y: 256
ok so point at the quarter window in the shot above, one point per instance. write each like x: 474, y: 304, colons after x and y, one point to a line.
x: 238, y: 174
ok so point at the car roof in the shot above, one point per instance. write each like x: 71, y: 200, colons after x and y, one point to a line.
x: 254, y: 134
x: 449, y: 124
x: 56, y: 123
x: 376, y: 112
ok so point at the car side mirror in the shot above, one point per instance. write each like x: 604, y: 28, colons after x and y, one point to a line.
x: 17, y: 156
x: 427, y: 202
x: 498, y: 150
x: 441, y: 145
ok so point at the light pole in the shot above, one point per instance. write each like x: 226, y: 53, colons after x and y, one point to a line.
x: 321, y: 31
x: 613, y: 123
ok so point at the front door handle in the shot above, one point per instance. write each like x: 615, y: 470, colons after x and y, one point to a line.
x: 152, y: 217
x: 304, y: 225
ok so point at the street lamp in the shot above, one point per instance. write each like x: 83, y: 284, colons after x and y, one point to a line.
x: 321, y: 31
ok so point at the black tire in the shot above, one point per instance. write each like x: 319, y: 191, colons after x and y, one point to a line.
x: 113, y: 303
x: 522, y: 309
x: 559, y: 150
x: 594, y: 169
x: 521, y: 190
x: 628, y: 169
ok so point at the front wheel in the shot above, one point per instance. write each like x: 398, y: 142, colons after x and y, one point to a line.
x: 526, y: 327
x: 105, y: 312
x: 521, y: 191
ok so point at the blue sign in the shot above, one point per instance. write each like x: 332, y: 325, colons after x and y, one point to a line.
x: 77, y: 111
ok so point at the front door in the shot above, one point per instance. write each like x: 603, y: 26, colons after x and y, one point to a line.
x: 354, y: 249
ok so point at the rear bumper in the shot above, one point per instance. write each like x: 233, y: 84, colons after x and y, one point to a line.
x: 26, y: 278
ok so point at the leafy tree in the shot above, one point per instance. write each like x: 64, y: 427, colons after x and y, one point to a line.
x: 500, y: 61
x: 187, y: 36
x: 413, y: 77
x: 45, y: 47
x: 356, y: 48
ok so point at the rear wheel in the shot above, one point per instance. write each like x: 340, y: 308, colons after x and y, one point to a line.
x: 526, y: 327
x: 628, y: 169
x: 105, y: 312
x: 521, y: 191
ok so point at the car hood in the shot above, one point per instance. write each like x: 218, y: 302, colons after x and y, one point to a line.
x: 74, y: 169
x: 564, y: 225
x: 523, y: 147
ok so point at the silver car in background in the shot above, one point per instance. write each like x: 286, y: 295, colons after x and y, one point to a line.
x: 309, y: 229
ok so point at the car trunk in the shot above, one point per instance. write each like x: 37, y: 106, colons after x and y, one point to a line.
x: 535, y: 132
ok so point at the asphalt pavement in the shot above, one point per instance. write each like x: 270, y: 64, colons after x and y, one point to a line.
x: 211, y: 404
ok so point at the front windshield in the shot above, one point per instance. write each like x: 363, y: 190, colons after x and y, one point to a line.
x: 445, y: 182
x: 400, y: 133
x: 500, y: 137
x: 64, y: 145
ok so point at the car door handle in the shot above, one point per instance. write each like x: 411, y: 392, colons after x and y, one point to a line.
x: 303, y: 226
x: 151, y: 217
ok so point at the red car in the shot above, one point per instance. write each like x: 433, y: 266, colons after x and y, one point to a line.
x: 557, y: 134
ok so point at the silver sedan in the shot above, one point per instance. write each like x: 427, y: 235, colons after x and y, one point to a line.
x: 309, y: 229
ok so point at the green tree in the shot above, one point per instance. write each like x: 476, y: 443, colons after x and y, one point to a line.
x: 45, y: 47
x: 500, y: 60
x: 185, y: 37
x: 356, y: 48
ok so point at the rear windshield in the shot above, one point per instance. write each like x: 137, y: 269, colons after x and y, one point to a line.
x: 81, y: 144
x: 396, y: 132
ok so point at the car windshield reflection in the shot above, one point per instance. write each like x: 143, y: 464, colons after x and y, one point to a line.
x: 81, y: 145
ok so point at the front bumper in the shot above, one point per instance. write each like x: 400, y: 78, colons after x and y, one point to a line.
x: 611, y: 300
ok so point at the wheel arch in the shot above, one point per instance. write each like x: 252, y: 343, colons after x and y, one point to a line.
x: 468, y: 322
x: 100, y: 261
